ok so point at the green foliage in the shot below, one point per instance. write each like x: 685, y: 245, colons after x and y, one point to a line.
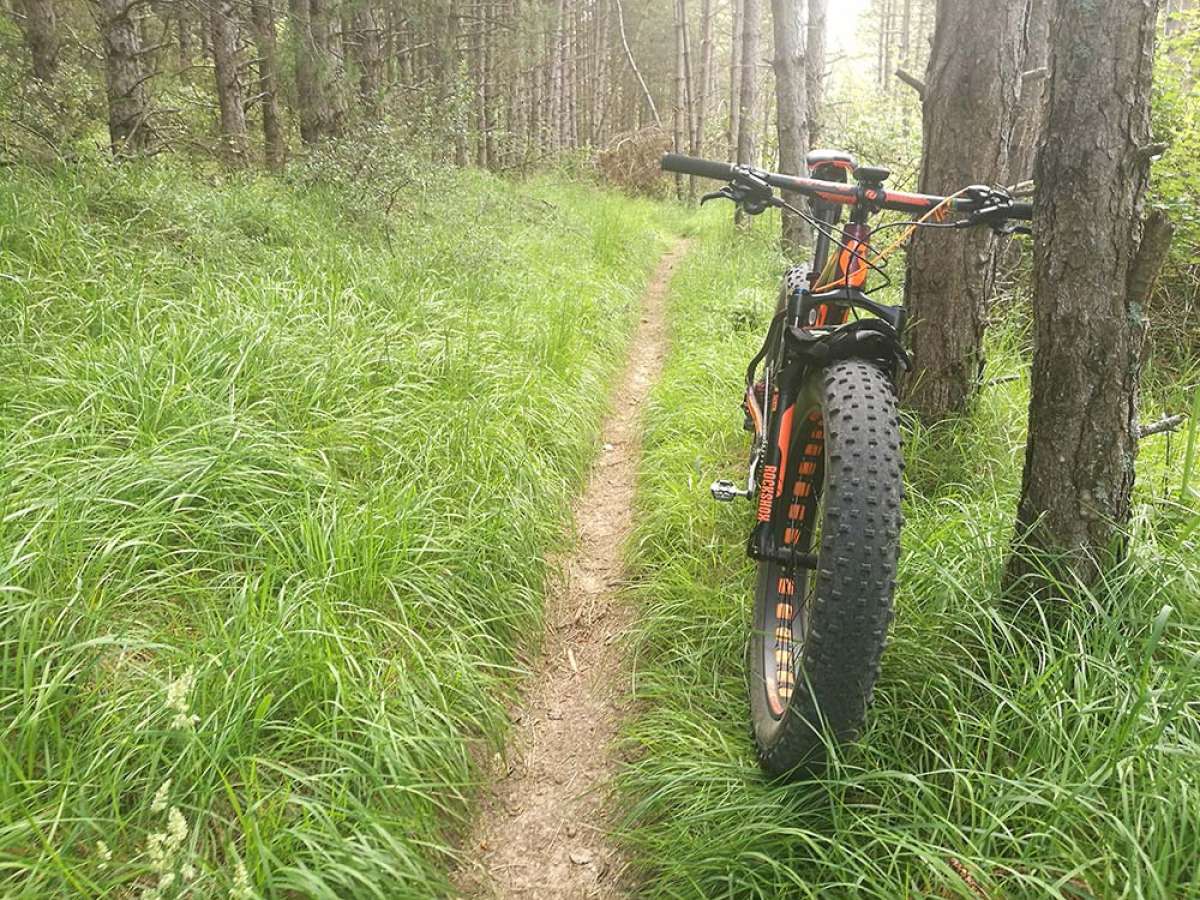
x: 276, y: 483
x: 1175, y: 186
x: 1045, y: 758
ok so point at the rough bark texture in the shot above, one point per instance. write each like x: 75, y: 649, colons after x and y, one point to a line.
x: 229, y: 87
x: 274, y: 146
x: 125, y: 85
x: 791, y: 111
x: 1029, y: 110
x: 1089, y: 281
x: 972, y: 84
x: 38, y: 24
x: 814, y: 67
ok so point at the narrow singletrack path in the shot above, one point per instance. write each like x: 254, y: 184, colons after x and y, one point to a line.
x: 540, y: 831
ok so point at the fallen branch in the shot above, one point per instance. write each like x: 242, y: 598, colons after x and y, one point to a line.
x: 912, y: 81
x: 1166, y: 423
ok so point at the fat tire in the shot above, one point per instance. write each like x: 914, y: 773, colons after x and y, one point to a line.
x: 851, y: 608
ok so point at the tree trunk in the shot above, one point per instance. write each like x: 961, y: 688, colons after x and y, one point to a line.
x: 972, y: 84
x: 125, y: 84
x: 307, y: 84
x: 39, y: 25
x: 748, y: 87
x: 791, y: 111
x: 325, y: 26
x: 678, y: 142
x: 703, y: 92
x: 748, y: 81
x: 1093, y: 264
x: 368, y: 45
x: 814, y: 67
x: 229, y: 88
x: 889, y: 33
x: 735, y: 75
x: 1029, y: 112
x: 274, y: 146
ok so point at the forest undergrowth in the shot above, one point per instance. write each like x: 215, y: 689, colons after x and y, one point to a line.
x: 277, y: 476
x: 1036, y: 751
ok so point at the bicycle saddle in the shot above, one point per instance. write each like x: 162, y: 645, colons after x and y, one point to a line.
x: 830, y: 160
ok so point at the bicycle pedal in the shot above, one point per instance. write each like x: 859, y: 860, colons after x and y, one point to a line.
x: 726, y: 491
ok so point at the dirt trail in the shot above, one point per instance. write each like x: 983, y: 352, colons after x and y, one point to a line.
x: 540, y: 831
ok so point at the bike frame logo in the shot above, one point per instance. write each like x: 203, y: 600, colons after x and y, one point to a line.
x: 766, y: 493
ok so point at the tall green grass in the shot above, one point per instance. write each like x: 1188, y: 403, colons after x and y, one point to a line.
x: 277, y: 474
x: 1044, y: 755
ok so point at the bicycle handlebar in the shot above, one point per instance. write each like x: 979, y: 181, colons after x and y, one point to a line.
x: 839, y: 192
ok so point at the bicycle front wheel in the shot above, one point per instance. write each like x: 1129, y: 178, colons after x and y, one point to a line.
x: 818, y: 634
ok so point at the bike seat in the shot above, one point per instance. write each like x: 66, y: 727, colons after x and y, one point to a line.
x: 829, y: 162
x: 873, y: 176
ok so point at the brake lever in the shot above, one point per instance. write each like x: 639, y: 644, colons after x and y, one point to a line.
x: 750, y: 198
x: 724, y: 193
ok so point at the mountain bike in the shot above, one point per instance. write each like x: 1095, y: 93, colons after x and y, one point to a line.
x: 825, y: 461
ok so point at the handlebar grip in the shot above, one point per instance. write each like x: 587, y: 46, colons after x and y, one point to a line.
x: 690, y: 165
x: 1023, y: 211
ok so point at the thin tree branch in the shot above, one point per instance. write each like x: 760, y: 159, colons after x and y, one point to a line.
x: 1166, y: 423
x: 633, y: 65
x: 912, y: 81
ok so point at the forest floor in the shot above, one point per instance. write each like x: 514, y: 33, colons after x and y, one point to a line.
x: 540, y: 831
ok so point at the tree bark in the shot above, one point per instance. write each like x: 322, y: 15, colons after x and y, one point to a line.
x: 40, y: 26
x: 791, y: 112
x: 677, y: 118
x: 125, y: 82
x: 703, y: 92
x: 274, y: 147
x: 748, y: 81
x: 223, y: 23
x: 972, y: 84
x: 1090, y: 276
x: 325, y: 26
x: 748, y: 88
x: 307, y: 84
x: 735, y: 75
x: 368, y: 54
x: 814, y: 67
x: 1029, y: 111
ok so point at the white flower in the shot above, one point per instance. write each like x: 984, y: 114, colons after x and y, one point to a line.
x: 178, y: 692
x: 177, y: 827
x: 159, y: 803
x: 166, y: 880
x: 241, y: 883
x: 104, y: 853
x: 188, y: 871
